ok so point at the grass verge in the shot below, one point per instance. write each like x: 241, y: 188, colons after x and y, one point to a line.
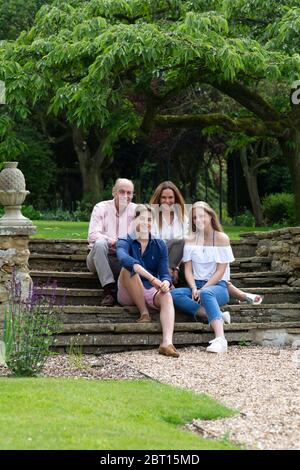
x: 48, y: 413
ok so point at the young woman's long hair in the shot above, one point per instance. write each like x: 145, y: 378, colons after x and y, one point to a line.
x: 215, y: 223
x: 179, y: 200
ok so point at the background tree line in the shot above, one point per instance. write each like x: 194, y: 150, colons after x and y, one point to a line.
x: 195, y: 91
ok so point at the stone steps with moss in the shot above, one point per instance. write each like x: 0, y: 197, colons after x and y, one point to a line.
x: 89, y: 280
x: 101, y: 338
x: 96, y: 329
x: 241, y: 248
x: 128, y: 314
x: 77, y: 262
x: 76, y: 296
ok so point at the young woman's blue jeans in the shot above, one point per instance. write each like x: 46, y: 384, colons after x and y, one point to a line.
x: 210, y: 298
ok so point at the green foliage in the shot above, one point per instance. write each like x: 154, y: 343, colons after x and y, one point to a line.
x: 28, y: 211
x: 84, y: 209
x: 279, y: 208
x: 57, y: 214
x: 90, y: 64
x: 31, y: 213
x: 246, y: 218
x: 11, y: 145
x: 17, y: 15
x: 81, y: 58
x: 37, y: 164
x: 29, y: 328
x: 22, y: 142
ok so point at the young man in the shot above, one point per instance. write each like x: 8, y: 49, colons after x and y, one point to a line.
x: 109, y: 221
x: 144, y: 280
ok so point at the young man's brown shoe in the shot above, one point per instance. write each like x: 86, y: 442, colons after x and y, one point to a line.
x: 169, y: 350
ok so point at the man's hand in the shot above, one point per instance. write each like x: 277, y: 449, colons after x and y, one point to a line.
x: 112, y: 243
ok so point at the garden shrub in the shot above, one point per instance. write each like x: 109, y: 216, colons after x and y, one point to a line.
x: 279, y: 208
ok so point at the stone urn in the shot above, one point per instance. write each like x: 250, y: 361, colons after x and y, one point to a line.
x: 12, y: 195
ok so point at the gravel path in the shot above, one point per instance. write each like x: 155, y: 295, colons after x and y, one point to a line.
x: 263, y: 384
x: 87, y: 366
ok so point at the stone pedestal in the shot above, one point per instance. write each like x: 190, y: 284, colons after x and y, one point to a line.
x: 14, y: 255
x: 15, y: 230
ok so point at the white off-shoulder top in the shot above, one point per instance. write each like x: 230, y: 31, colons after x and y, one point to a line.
x: 205, y: 259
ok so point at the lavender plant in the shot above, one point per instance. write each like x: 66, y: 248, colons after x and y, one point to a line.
x: 30, y: 326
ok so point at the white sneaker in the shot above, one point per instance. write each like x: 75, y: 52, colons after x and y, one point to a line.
x: 217, y: 345
x: 254, y: 299
x: 226, y: 317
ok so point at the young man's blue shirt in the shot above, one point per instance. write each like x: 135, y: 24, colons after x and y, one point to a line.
x: 154, y: 259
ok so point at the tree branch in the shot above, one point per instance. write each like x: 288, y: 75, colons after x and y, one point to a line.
x: 249, y: 99
x: 250, y: 126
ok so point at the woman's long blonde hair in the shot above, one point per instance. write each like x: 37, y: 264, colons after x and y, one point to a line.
x: 155, y: 198
x: 215, y: 223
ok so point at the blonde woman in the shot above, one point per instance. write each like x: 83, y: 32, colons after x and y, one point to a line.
x: 207, y: 255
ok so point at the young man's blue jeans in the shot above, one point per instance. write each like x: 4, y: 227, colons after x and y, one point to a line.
x: 210, y: 298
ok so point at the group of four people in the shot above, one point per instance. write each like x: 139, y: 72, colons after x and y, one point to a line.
x: 142, y: 247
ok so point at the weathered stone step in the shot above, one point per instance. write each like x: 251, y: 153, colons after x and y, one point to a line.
x: 82, y: 280
x: 77, y: 262
x: 76, y: 296
x: 122, y: 338
x: 254, y: 264
x: 155, y: 327
x: 241, y: 248
x: 90, y: 280
x: 240, y: 313
x: 58, y: 262
x: 259, y: 279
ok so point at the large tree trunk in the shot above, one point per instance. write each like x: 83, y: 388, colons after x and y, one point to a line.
x: 91, y: 166
x: 251, y: 181
x: 291, y: 151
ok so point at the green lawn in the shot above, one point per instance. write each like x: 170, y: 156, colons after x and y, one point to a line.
x: 81, y: 414
x: 58, y: 229
x: 76, y: 230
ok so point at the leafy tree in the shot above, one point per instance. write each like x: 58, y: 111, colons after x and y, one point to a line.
x: 84, y: 62
x: 17, y: 15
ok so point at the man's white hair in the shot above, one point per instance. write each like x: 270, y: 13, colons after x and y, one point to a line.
x: 120, y: 181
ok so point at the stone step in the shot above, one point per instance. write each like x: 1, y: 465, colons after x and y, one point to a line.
x: 78, y: 279
x: 241, y: 248
x: 77, y: 262
x: 155, y: 327
x: 99, y: 339
x: 75, y: 296
x: 254, y: 264
x: 240, y: 313
x: 58, y: 262
x: 259, y: 279
x: 90, y: 280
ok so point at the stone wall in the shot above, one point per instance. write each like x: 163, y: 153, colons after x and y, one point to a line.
x: 283, y: 246
x: 14, y: 255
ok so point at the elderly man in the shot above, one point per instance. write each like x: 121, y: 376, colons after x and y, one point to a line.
x: 110, y: 220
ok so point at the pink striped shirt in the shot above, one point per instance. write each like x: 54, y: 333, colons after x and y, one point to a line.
x: 107, y: 224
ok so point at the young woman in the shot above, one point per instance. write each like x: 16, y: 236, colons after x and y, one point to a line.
x: 172, y: 226
x: 144, y: 279
x: 207, y: 254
